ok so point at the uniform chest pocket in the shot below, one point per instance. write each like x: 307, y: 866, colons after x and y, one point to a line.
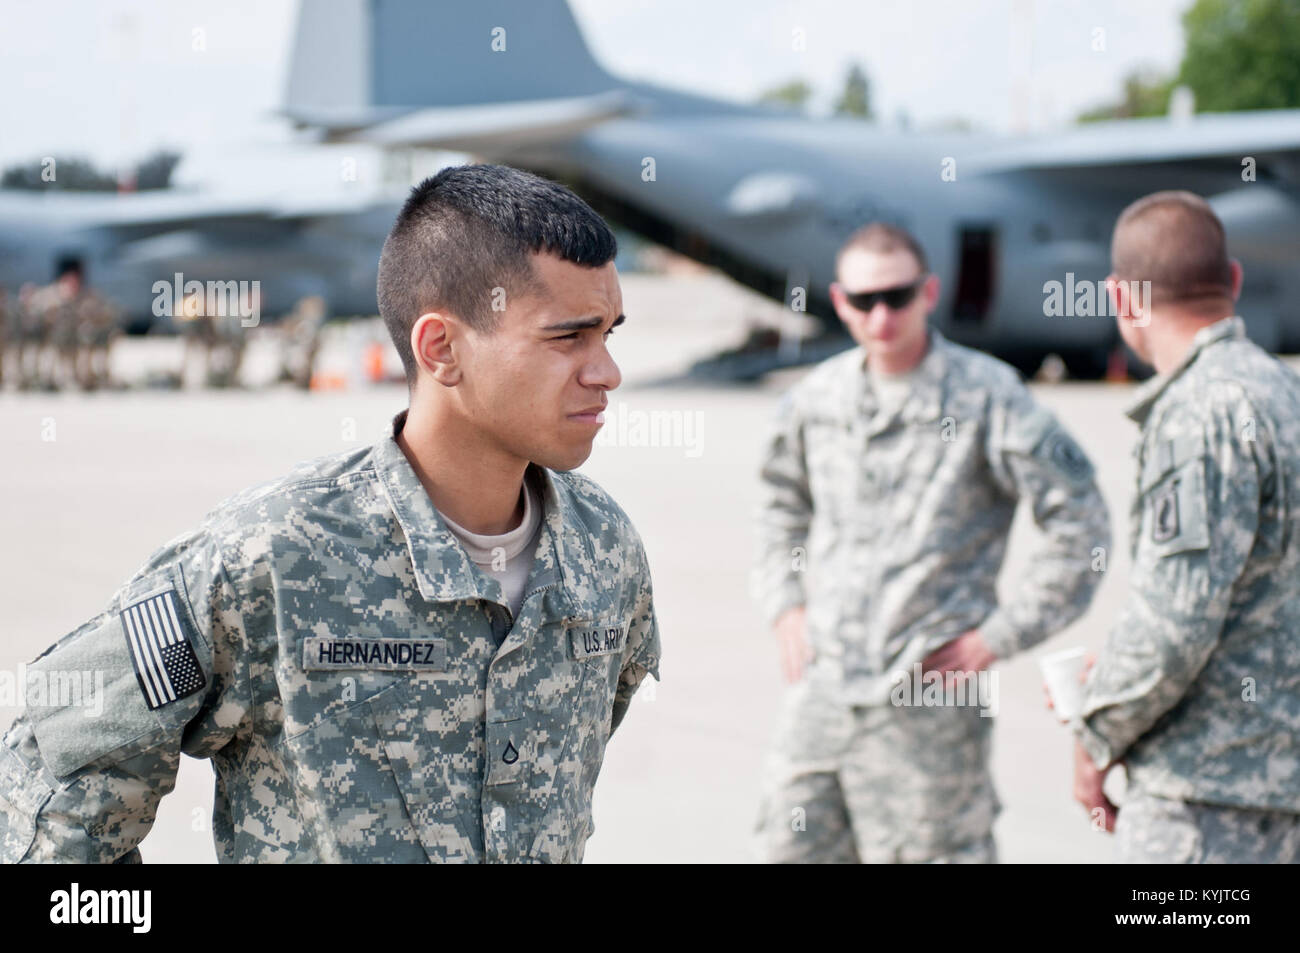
x: 830, y: 457
x: 346, y: 784
x: 572, y: 724
x: 1171, y: 514
x: 366, y: 731
x: 374, y: 775
x: 913, y: 458
x: 431, y: 730
x: 313, y: 698
x: 326, y: 675
x: 580, y: 705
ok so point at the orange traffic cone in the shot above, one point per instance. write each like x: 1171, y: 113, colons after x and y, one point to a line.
x: 375, y: 362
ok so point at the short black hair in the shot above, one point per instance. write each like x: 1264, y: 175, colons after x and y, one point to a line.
x: 69, y: 265
x: 470, y: 229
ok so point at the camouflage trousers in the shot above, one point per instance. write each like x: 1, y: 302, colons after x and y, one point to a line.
x: 877, y: 784
x: 1157, y: 830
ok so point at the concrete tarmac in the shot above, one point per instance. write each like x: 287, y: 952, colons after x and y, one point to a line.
x: 94, y: 483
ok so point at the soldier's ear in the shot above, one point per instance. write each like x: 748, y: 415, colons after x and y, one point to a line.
x: 930, y: 291
x: 1118, y: 292
x: 1238, y: 274
x: 434, y: 339
x: 840, y: 302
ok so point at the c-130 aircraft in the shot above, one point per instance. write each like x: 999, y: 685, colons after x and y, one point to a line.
x: 768, y: 197
x: 1017, y: 228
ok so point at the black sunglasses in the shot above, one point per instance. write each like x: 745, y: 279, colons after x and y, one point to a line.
x: 894, y: 298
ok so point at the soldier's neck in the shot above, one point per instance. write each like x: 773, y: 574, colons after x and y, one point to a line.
x: 892, y: 365
x: 472, y: 483
x: 1171, y: 335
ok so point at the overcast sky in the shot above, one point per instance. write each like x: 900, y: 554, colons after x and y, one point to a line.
x: 116, y: 79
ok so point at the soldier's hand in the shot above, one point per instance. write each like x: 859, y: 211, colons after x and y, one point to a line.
x: 792, y: 643
x: 965, y: 654
x: 1088, y: 782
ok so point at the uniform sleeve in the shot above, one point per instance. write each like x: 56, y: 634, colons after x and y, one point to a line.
x: 111, y: 706
x: 784, y: 514
x: 643, y: 650
x: 1034, y: 459
x: 1199, y: 495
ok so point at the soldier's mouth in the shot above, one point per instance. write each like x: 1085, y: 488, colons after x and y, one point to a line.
x: 594, y: 415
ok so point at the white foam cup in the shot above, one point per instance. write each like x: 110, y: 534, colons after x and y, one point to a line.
x: 1061, y: 672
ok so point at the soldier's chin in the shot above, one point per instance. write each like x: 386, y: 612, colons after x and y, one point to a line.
x: 568, y: 457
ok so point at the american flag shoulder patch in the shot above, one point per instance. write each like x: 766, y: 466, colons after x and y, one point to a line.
x: 164, y: 661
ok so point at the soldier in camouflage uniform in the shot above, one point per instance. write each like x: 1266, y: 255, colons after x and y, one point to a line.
x: 368, y: 689
x: 889, y: 489
x: 63, y: 333
x: 37, y: 359
x: 1198, y: 689
x: 20, y: 336
x: 96, y: 331
x: 219, y: 337
x: 300, y: 340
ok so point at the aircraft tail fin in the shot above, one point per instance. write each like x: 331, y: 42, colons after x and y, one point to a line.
x: 358, y: 62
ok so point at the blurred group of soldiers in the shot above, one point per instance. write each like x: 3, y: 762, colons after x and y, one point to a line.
x: 221, y: 340
x: 218, y: 338
x: 300, y: 336
x: 58, y: 335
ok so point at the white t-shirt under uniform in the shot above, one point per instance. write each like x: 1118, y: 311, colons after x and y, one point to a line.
x: 507, y: 558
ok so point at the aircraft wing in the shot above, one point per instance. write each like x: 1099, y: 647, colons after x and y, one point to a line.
x: 491, y: 128
x: 1271, y: 137
x: 165, y: 209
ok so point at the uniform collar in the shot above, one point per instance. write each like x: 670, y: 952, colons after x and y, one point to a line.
x: 1225, y: 329
x: 443, y: 570
x: 926, y: 383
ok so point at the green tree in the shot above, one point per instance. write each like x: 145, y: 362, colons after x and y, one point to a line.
x: 856, y: 98
x: 792, y: 95
x: 1242, y: 54
x: 79, y: 175
x: 1239, y: 54
x: 71, y: 174
x: 1145, y: 94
